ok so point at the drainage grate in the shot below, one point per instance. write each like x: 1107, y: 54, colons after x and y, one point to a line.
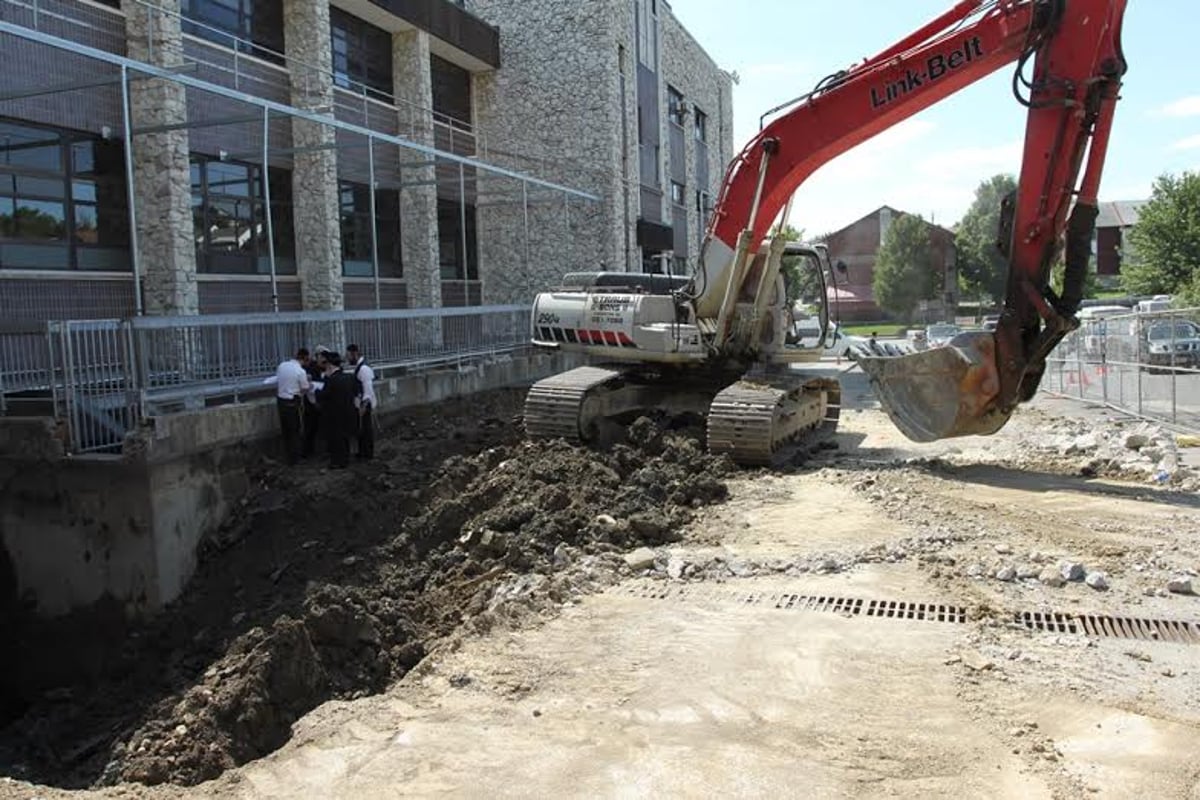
x: 931, y: 612
x: 787, y: 601
x: 1048, y: 622
x: 1103, y: 625
x: 1158, y: 630
x: 1097, y: 625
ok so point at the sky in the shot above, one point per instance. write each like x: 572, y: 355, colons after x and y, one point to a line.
x: 931, y: 163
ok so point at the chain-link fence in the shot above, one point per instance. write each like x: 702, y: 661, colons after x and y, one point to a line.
x: 1146, y: 364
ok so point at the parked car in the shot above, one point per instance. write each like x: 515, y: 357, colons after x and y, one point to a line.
x: 807, y: 330
x: 990, y: 323
x: 940, y: 334
x: 1170, y: 344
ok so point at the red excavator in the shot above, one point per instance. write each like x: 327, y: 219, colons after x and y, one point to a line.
x: 716, y: 342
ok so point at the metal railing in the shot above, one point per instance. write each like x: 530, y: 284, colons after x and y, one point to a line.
x: 1147, y: 365
x: 104, y: 376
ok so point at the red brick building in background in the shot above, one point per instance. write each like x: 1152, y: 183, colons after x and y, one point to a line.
x: 1110, y: 247
x: 857, y: 245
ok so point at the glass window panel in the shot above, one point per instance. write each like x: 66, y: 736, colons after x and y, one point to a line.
x: 8, y: 225
x: 107, y: 259
x: 82, y: 157
x: 40, y: 219
x: 229, y: 179
x: 41, y: 187
x: 87, y: 228
x: 35, y: 256
x: 31, y: 148
x: 83, y: 191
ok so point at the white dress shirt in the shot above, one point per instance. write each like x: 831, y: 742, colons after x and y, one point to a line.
x: 290, y: 380
x: 366, y: 376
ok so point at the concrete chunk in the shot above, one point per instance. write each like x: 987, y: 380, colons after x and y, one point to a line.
x: 640, y: 559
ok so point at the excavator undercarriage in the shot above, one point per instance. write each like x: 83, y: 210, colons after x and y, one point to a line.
x: 764, y: 418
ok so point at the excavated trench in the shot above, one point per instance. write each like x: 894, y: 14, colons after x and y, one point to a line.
x: 334, y: 585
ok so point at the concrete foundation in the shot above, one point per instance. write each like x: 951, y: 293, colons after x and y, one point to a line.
x: 76, y: 531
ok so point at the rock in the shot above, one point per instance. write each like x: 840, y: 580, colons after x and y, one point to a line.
x: 1027, y: 571
x: 1136, y: 440
x: 640, y: 559
x: 1052, y: 577
x: 827, y: 565
x: 1003, y: 549
x: 741, y: 569
x: 976, y: 661
x: 181, y: 730
x: 607, y: 520
x: 675, y: 568
x: 1181, y: 585
x: 976, y: 570
x: 1097, y: 580
x: 1083, y: 444
x: 1072, y: 571
x: 1006, y: 574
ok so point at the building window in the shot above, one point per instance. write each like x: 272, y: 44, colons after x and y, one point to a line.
x: 63, y: 202
x: 451, y: 85
x: 701, y: 126
x: 355, y: 204
x: 362, y: 54
x: 675, y: 107
x: 677, y: 193
x: 249, y: 26
x: 229, y: 220
x: 457, y: 265
x: 646, y: 19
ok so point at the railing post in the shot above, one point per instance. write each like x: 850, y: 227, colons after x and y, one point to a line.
x: 131, y: 192
x: 266, y: 187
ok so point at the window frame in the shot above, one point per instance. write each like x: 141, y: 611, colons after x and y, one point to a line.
x: 361, y: 40
x: 700, y: 125
x: 675, y: 106
x: 264, y: 40
x: 395, y: 259
x: 465, y: 268
x: 678, y: 194
x: 66, y: 178
x: 282, y: 224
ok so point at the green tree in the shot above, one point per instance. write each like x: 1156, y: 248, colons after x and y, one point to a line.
x: 1166, y: 240
x: 905, y: 271
x: 799, y: 280
x: 982, y: 271
x: 1091, y: 284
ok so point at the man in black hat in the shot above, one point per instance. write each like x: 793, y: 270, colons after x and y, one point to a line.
x: 339, y: 416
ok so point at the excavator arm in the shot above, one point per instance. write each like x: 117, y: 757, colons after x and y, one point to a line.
x: 972, y: 385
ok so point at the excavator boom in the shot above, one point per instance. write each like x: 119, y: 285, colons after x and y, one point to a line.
x: 973, y: 385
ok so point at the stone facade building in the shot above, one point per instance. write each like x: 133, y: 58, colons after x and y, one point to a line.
x: 857, y: 245
x: 611, y: 98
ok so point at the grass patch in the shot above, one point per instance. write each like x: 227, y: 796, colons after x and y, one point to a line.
x: 879, y: 329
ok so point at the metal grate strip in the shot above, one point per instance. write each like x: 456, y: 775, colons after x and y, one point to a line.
x: 789, y: 601
x: 1152, y: 630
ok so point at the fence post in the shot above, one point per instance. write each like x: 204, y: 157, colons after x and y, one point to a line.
x: 1174, y: 374
x: 1137, y: 326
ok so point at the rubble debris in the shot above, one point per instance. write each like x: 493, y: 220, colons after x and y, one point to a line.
x: 1097, y: 580
x: 1072, y: 571
x: 1182, y: 584
x: 1052, y: 578
x: 640, y: 559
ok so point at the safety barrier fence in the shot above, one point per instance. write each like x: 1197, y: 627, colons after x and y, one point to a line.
x: 103, y: 376
x: 1146, y: 364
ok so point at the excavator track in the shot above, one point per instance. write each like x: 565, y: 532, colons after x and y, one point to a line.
x: 554, y: 406
x: 766, y: 424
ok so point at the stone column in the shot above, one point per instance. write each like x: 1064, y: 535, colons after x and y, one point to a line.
x: 161, y: 175
x: 314, y: 167
x: 418, y: 204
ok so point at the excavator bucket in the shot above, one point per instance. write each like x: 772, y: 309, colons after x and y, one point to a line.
x: 943, y: 392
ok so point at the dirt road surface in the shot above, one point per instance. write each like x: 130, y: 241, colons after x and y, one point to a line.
x: 750, y: 659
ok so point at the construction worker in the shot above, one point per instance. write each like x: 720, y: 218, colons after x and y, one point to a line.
x: 291, y: 382
x: 364, y: 402
x: 339, y: 415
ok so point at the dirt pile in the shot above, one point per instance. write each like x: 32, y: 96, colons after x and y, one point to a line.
x: 320, y: 590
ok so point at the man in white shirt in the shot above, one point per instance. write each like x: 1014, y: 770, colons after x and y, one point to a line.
x: 365, y: 402
x: 291, y: 382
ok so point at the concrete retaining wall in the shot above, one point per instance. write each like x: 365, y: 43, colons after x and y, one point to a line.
x: 78, y: 530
